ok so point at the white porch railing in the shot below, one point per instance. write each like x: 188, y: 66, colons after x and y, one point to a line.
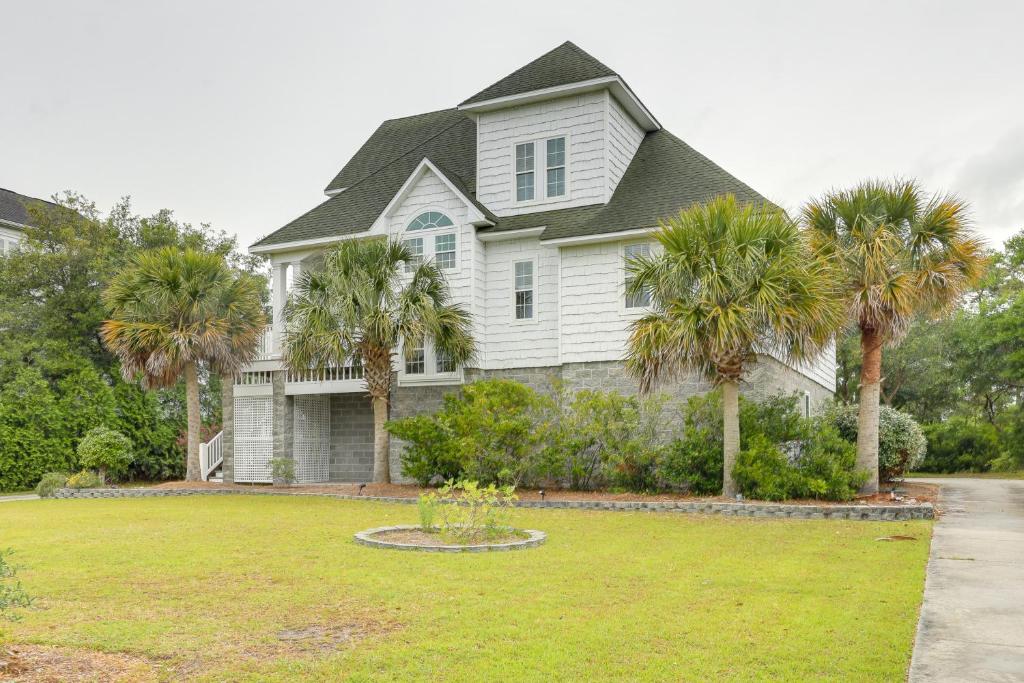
x: 351, y: 371
x: 265, y: 350
x: 211, y: 455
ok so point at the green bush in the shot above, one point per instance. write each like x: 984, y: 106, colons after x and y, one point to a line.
x: 763, y: 472
x: 107, y: 451
x: 468, y: 512
x: 828, y: 466
x: 693, y: 463
x: 32, y: 435
x: 598, y: 438
x: 778, y: 418
x: 85, y: 479
x: 50, y: 482
x: 901, y: 443
x: 960, y: 445
x: 429, y: 454
x: 492, y: 432
x: 12, y: 596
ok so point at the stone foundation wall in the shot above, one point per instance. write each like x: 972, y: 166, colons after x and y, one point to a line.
x: 351, y: 438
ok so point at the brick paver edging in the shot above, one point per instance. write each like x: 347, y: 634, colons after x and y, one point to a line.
x: 366, y: 538
x: 871, y: 513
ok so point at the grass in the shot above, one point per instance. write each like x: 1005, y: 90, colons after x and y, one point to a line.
x: 203, y: 586
x: 967, y: 475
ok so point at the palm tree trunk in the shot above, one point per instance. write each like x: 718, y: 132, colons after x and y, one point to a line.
x: 731, y: 435
x: 867, y: 419
x: 377, y: 373
x: 194, y: 422
x: 381, y: 442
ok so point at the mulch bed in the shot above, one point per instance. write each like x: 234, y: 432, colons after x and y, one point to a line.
x: 433, y: 540
x: 913, y: 491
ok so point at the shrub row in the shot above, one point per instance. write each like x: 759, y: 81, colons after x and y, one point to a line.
x: 503, y: 432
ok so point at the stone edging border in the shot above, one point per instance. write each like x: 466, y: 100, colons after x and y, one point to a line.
x: 366, y: 538
x: 870, y: 513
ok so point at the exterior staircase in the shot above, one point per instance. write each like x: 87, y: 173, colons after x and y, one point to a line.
x: 211, y: 459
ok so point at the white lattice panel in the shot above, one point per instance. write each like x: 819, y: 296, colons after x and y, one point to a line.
x: 254, y: 438
x: 312, y: 447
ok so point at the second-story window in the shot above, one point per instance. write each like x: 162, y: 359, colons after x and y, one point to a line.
x: 524, y: 290
x: 556, y: 167
x: 415, y: 245
x: 444, y: 251
x: 524, y: 172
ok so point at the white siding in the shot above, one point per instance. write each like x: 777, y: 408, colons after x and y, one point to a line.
x: 594, y: 320
x: 580, y: 118
x: 431, y: 193
x: 624, y: 138
x: 822, y: 370
x: 512, y: 343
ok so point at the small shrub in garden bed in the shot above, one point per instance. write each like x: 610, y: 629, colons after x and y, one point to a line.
x: 12, y: 596
x: 467, y: 512
x: 107, y: 451
x: 50, y: 482
x: 84, y: 480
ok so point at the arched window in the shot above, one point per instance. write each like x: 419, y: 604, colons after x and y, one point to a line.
x: 428, y: 220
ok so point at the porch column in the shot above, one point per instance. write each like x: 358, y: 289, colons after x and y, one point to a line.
x: 280, y: 296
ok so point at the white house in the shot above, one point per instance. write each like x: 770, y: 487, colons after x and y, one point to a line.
x: 530, y: 194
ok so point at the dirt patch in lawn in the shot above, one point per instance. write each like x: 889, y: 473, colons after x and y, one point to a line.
x: 43, y: 664
x: 423, y: 538
x: 911, y: 493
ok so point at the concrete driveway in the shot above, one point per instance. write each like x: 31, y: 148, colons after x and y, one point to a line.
x: 972, y: 620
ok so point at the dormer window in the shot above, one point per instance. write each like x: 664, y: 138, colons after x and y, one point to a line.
x: 556, y: 167
x: 546, y: 158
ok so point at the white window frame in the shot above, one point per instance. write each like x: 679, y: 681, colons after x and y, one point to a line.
x: 529, y: 171
x: 623, y: 308
x: 454, y: 251
x: 430, y: 375
x: 429, y: 237
x: 410, y: 266
x: 564, y: 166
x: 540, y: 169
x: 532, y: 320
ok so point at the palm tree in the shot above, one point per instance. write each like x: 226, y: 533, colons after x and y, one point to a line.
x: 898, y: 253
x: 361, y: 305
x: 173, y: 310
x: 731, y: 280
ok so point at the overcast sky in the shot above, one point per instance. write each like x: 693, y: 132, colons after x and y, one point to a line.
x: 240, y: 113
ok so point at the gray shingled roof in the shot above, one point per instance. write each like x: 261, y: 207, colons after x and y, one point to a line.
x: 566, y: 64
x: 380, y: 167
x: 664, y: 176
x: 12, y: 206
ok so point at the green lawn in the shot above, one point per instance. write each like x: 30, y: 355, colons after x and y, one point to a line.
x: 966, y: 475
x: 203, y: 586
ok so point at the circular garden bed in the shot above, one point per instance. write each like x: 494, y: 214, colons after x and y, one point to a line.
x: 413, y: 537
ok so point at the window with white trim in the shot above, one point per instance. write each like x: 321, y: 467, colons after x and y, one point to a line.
x: 524, y: 290
x: 444, y: 363
x: 555, y: 167
x: 444, y: 251
x: 415, y: 246
x: 639, y: 299
x: 429, y: 220
x: 416, y: 360
x: 524, y: 172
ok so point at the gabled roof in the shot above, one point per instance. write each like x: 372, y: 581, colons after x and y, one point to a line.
x: 12, y: 206
x: 379, y: 169
x: 566, y: 64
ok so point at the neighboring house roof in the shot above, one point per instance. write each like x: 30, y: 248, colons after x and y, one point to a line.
x: 566, y: 64
x: 664, y: 176
x: 12, y: 206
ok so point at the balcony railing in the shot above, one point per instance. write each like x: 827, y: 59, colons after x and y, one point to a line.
x: 352, y: 371
x: 265, y: 350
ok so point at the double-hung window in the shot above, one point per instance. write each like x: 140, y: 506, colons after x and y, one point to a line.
x: 444, y: 251
x: 416, y: 360
x: 444, y: 362
x: 524, y: 290
x: 415, y: 246
x: 556, y: 167
x: 640, y: 299
x: 524, y: 172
